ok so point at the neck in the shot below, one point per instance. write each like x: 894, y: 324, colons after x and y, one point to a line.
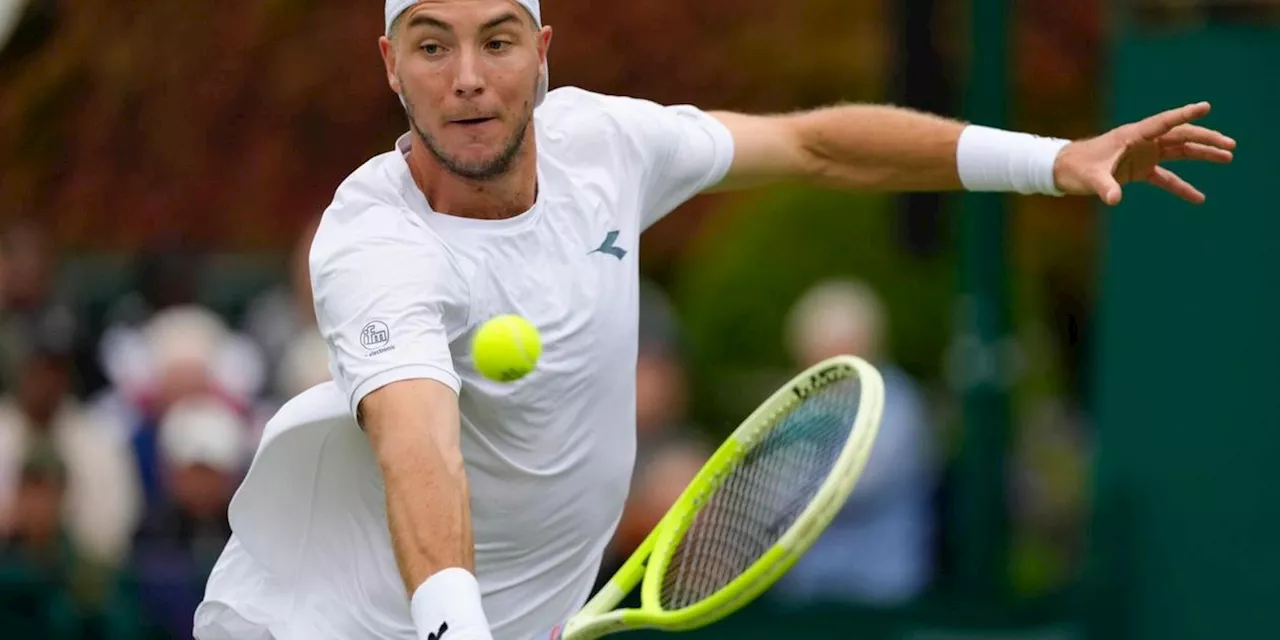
x: 504, y: 196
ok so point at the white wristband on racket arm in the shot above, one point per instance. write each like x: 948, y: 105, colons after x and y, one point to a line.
x: 447, y: 607
x: 997, y: 160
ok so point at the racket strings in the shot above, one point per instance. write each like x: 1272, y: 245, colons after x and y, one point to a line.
x: 757, y: 501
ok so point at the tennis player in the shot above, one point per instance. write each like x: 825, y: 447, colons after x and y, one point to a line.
x: 411, y: 498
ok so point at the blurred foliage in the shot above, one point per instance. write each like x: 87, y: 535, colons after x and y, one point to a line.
x: 741, y: 275
x: 207, y: 122
x: 228, y: 125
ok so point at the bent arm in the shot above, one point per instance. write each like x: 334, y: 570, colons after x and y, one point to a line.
x: 413, y: 429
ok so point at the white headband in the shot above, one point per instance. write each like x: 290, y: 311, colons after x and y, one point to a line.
x: 396, y: 7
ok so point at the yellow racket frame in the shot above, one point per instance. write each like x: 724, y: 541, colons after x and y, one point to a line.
x: 647, y: 565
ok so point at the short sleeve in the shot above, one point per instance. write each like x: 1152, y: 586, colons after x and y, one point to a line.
x: 682, y: 151
x: 384, y: 303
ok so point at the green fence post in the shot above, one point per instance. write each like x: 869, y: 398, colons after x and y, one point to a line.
x: 980, y: 540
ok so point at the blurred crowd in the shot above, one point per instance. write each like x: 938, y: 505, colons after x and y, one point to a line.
x: 122, y: 441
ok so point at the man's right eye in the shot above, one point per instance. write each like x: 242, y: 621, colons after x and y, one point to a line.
x: 431, y: 49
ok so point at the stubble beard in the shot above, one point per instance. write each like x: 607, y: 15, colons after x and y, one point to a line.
x: 481, y: 170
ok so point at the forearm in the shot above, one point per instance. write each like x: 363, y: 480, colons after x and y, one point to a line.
x: 428, y: 508
x: 413, y: 428
x: 884, y: 148
x: 880, y: 148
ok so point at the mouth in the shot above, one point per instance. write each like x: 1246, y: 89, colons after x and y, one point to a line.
x: 471, y: 122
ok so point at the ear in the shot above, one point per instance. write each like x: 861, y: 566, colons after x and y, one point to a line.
x: 544, y: 44
x: 388, y: 50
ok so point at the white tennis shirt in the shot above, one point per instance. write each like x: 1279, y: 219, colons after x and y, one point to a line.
x: 399, y: 291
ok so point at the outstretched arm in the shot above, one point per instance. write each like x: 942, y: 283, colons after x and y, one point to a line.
x: 863, y: 147
x: 413, y: 429
x: 886, y: 148
x: 386, y: 295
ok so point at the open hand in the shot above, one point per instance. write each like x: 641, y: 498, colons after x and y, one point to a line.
x: 1134, y: 153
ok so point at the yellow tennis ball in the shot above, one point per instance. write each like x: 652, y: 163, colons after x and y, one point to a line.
x: 506, y: 348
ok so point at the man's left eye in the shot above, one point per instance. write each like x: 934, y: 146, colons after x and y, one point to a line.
x: 497, y: 45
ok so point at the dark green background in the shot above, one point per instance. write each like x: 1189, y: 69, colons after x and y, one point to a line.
x: 1189, y: 431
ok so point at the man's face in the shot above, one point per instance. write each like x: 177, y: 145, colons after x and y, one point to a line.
x: 26, y: 269
x: 42, y: 388
x: 468, y: 71
x: 200, y: 490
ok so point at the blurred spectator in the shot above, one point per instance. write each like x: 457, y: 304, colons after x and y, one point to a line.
x: 878, y: 550
x: 668, y: 453
x: 305, y: 365
x: 165, y: 275
x: 28, y: 267
x: 47, y: 587
x: 282, y: 322
x: 662, y: 384
x: 182, y: 352
x: 27, y: 296
x: 166, y: 279
x: 202, y: 447
x: 102, y: 499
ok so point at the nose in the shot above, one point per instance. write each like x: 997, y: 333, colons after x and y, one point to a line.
x: 469, y: 82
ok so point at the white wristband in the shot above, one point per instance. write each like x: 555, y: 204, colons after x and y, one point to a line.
x: 997, y: 160
x: 447, y: 607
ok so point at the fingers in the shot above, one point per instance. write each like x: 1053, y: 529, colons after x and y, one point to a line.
x: 1155, y: 126
x: 1194, y: 133
x: 1196, y: 151
x: 1169, y: 181
x: 1107, y: 188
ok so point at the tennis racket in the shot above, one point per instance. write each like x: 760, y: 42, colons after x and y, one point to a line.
x: 756, y: 506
